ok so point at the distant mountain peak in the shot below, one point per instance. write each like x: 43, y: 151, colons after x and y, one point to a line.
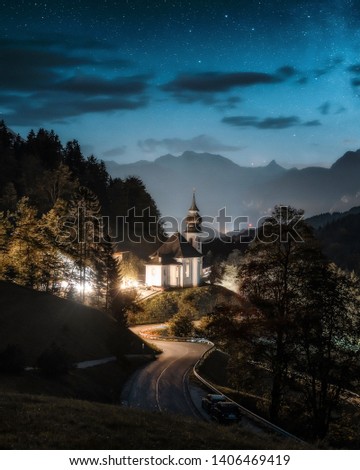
x: 349, y: 160
x: 244, y: 190
x: 274, y: 166
x: 189, y: 157
x: 273, y: 163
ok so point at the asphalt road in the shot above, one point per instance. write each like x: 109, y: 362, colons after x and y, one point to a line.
x: 161, y: 385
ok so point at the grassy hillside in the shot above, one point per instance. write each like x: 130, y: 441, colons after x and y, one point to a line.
x: 102, y: 383
x: 34, y: 422
x: 34, y: 321
x: 198, y: 300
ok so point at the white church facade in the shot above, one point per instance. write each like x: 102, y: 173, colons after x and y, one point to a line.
x: 178, y: 262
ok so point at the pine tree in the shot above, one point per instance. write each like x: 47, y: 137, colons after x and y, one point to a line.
x: 84, y: 215
x: 329, y: 352
x: 55, y: 267
x: 5, y: 234
x: 273, y: 277
x: 25, y: 247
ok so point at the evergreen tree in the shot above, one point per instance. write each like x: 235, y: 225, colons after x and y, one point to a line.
x: 55, y: 267
x: 84, y: 216
x: 25, y: 246
x: 54, y: 184
x: 5, y: 234
x: 74, y: 159
x: 97, y: 179
x: 273, y: 275
x: 134, y: 216
x: 8, y: 163
x: 45, y: 146
x: 329, y: 351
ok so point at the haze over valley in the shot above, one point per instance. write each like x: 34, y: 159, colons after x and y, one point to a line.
x: 244, y: 191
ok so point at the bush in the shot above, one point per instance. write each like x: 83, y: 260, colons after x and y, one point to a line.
x: 181, y: 325
x: 12, y: 360
x: 158, y: 309
x: 54, y: 361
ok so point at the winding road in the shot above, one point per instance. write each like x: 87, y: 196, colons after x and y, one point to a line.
x: 162, y: 385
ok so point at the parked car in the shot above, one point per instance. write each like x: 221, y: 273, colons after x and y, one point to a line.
x: 210, y: 400
x: 226, y: 412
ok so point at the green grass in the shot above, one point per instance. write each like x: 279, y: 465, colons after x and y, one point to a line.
x: 35, y: 422
x: 200, y: 300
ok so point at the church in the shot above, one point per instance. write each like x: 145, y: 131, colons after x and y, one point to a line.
x: 178, y: 261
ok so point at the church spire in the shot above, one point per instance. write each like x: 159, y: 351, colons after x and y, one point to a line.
x: 193, y: 225
x: 194, y: 207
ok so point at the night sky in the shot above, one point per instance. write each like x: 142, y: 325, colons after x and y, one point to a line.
x: 130, y: 80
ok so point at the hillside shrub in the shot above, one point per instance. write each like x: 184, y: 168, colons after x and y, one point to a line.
x: 181, y: 325
x: 196, y: 301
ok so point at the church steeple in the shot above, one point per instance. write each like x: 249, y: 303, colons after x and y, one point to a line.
x: 193, y: 207
x: 193, y: 225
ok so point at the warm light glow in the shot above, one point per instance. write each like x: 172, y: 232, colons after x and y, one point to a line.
x: 88, y: 287
x: 129, y: 283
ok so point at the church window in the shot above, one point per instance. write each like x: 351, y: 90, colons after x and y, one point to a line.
x: 187, y: 268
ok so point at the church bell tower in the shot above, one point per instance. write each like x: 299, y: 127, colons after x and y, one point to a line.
x: 193, y: 225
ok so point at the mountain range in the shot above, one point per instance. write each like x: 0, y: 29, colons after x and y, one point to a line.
x: 244, y: 191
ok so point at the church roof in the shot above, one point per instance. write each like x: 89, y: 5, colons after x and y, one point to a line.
x: 165, y: 260
x: 194, y: 207
x: 176, y: 247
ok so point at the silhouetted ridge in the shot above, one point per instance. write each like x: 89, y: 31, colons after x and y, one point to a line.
x: 350, y: 160
x: 247, y: 191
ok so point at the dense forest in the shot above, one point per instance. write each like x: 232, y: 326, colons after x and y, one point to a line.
x: 338, y: 234
x: 62, y: 217
x: 294, y: 342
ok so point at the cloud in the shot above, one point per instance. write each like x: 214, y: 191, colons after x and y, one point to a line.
x: 287, y: 71
x: 43, y: 107
x: 312, y: 123
x: 200, y: 143
x: 209, y: 99
x: 48, y: 82
x: 302, y: 80
x: 93, y: 84
x: 231, y: 102
x: 332, y: 64
x: 355, y: 68
x: 281, y: 122
x: 325, y: 108
x: 355, y: 82
x: 278, y: 123
x: 213, y: 82
x: 341, y: 109
x: 115, y: 152
x: 331, y: 108
x: 37, y: 66
x: 305, y: 77
x: 206, y: 87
